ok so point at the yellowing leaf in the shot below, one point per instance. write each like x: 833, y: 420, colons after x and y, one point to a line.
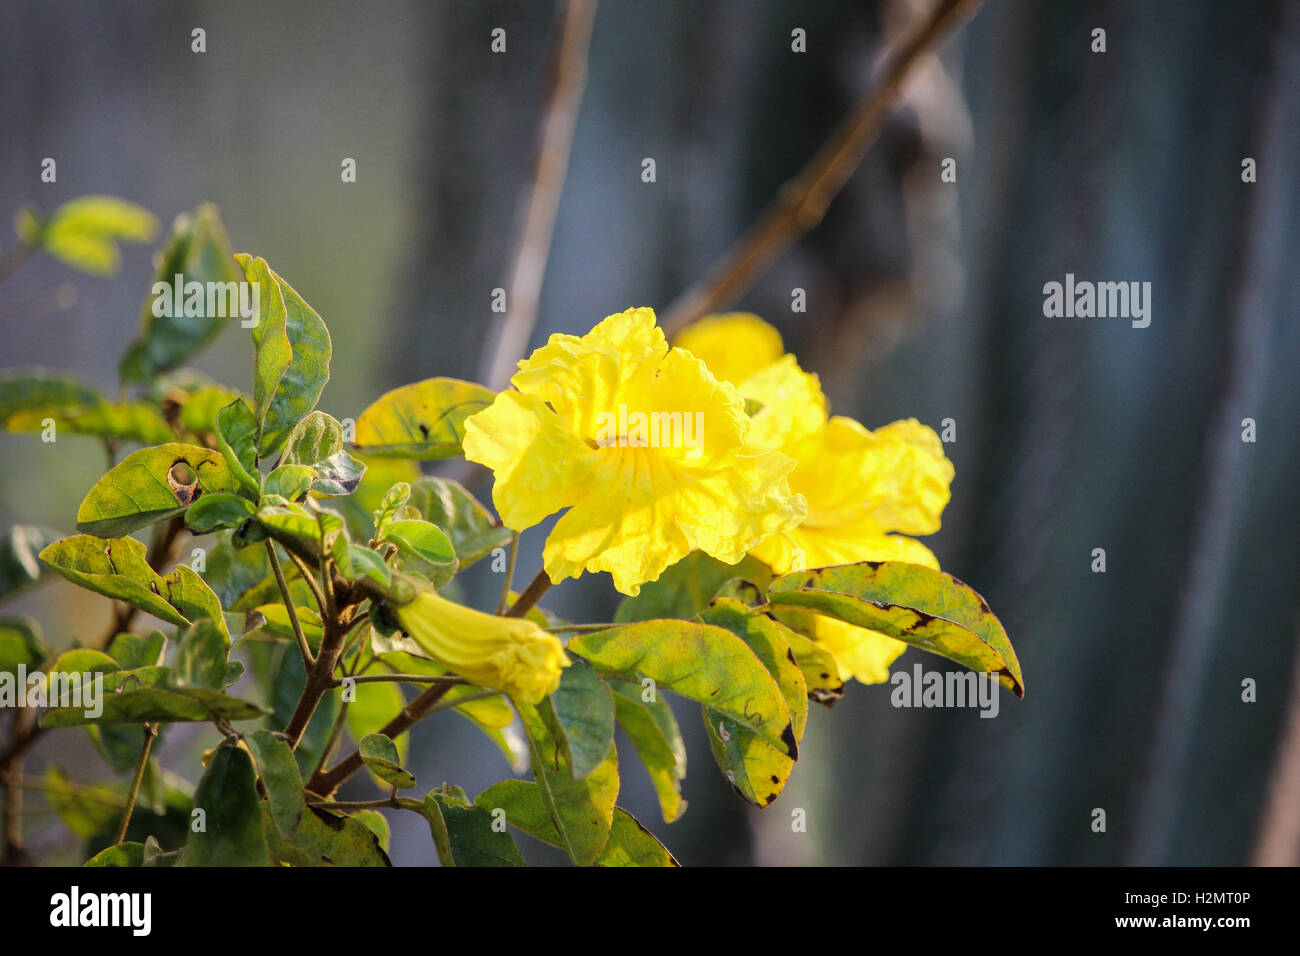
x: 423, y: 421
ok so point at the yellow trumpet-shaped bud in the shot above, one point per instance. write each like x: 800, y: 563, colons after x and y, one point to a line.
x: 509, y: 654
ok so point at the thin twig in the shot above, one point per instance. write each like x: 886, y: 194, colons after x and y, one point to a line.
x: 568, y: 77
x: 150, y: 732
x: 326, y: 783
x: 14, y: 258
x: 510, y: 574
x: 532, y: 594
x: 308, y: 661
x: 304, y: 571
x: 803, y: 201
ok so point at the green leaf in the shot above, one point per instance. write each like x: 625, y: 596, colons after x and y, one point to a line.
x: 20, y: 566
x: 910, y: 603
x: 391, y: 505
x: 471, y: 836
x: 237, y: 442
x: 769, y: 639
x: 423, y: 421
x: 84, y: 232
x: 315, y: 438
x: 82, y: 808
x: 36, y: 389
x: 83, y: 660
x: 821, y: 672
x: 289, y: 481
x: 339, y: 474
x: 629, y: 843
x: 198, y: 251
x: 376, y: 823
x: 200, y: 658
x: 379, y: 754
x: 325, y: 838
x: 291, y: 357
x: 473, y: 531
x: 197, y: 405
x: 686, y: 588
x: 150, y: 485
x: 584, y: 711
x: 652, y: 730
x: 240, y: 577
x: 115, y: 568
x: 29, y: 396
x: 20, y: 644
x: 701, y: 662
x: 125, y: 421
x: 374, y: 705
x: 135, y: 650
x: 152, y: 705
x: 123, y: 854
x: 233, y: 834
x: 421, y: 539
x: 213, y: 512
x: 280, y: 779
x: 357, y: 561
x: 757, y: 770
x: 581, y: 811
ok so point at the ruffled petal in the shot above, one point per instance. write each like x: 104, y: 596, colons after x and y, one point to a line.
x: 540, y: 466
x: 793, y: 406
x: 645, y: 512
x: 734, y: 345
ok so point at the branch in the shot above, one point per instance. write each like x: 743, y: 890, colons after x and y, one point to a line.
x: 532, y: 594
x: 326, y: 783
x: 568, y: 77
x: 803, y: 201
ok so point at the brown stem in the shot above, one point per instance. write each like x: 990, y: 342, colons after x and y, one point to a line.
x: 25, y: 733
x: 324, y: 784
x: 802, y: 201
x: 320, y: 678
x: 14, y: 258
x: 532, y: 594
x: 568, y: 77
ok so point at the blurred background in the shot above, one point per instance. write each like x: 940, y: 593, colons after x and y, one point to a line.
x: 924, y: 298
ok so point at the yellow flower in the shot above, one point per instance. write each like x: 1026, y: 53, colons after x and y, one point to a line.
x: 733, y: 345
x: 643, y: 445
x: 510, y: 654
x: 860, y: 486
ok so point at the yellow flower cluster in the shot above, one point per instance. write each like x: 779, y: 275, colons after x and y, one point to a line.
x: 860, y: 486
x: 651, y: 451
x: 642, y: 444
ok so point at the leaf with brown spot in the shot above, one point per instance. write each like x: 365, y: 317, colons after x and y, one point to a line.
x: 148, y: 486
x: 423, y: 421
x: 910, y: 603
